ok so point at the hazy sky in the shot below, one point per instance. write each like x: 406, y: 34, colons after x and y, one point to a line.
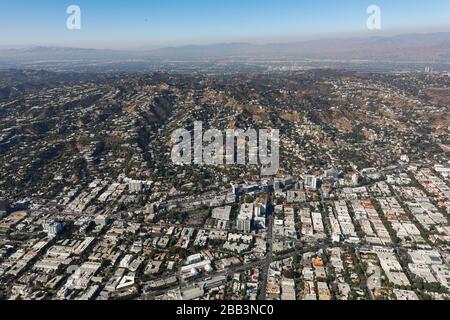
x: 152, y: 23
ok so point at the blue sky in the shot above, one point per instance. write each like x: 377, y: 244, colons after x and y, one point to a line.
x: 153, y: 23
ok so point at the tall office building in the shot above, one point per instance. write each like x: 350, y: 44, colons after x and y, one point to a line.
x: 52, y: 228
x: 310, y: 181
x: 245, y: 217
x: 244, y: 224
x: 3, y: 207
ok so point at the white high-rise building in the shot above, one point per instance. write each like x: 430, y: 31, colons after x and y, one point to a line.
x: 310, y: 181
x: 52, y: 228
x: 135, y: 186
x: 244, y: 224
x: 245, y: 217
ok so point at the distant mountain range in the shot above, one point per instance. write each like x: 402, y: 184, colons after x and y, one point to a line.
x: 408, y: 47
x: 431, y: 47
